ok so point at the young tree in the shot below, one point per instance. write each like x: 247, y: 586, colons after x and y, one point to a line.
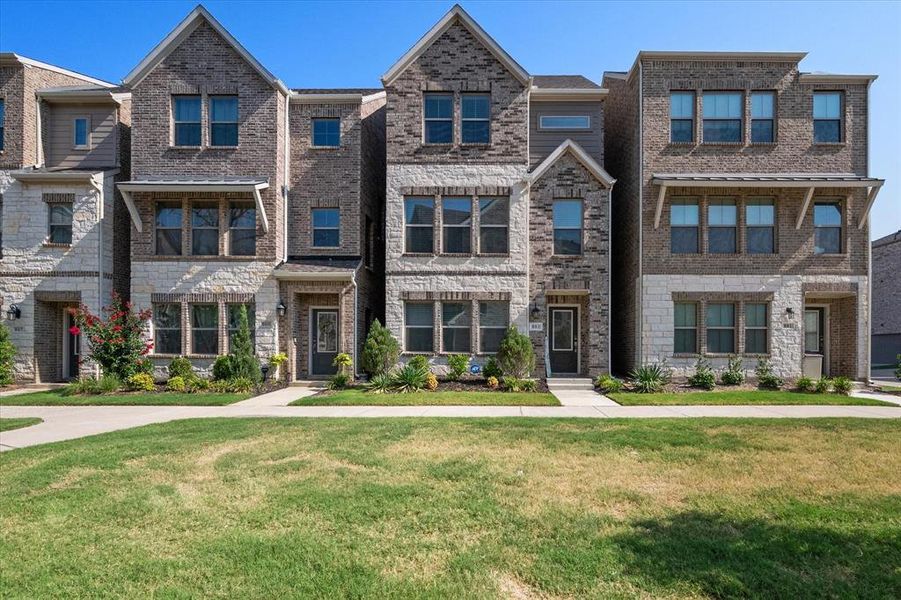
x: 115, y: 342
x: 244, y: 363
x: 515, y: 356
x: 381, y: 350
x: 7, y: 354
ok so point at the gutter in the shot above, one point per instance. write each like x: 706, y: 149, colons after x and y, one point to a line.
x: 353, y: 282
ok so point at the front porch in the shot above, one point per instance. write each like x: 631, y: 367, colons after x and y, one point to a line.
x: 831, y: 336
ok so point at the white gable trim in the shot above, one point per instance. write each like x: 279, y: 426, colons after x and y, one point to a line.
x: 455, y: 15
x: 30, y: 62
x: 178, y: 35
x: 589, y: 163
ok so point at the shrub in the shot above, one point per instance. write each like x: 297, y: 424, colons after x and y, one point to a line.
x: 7, y: 354
x: 338, y: 381
x: 380, y: 383
x: 141, y: 382
x: 703, y: 376
x: 419, y: 362
x: 222, y: 368
x: 380, y: 351
x: 244, y: 364
x: 491, y: 369
x: 842, y: 385
x: 181, y: 367
x: 115, y: 342
x: 518, y: 384
x: 823, y: 385
x: 650, y: 378
x: 275, y: 363
x: 804, y: 384
x: 898, y: 367
x: 492, y: 382
x: 107, y: 384
x: 431, y: 382
x: 766, y: 379
x: 409, y: 378
x: 344, y: 363
x: 177, y: 384
x: 238, y: 385
x: 608, y: 383
x: 198, y: 385
x: 457, y: 366
x: 734, y: 373
x: 515, y: 357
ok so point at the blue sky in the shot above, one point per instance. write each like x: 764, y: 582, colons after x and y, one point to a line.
x: 347, y: 44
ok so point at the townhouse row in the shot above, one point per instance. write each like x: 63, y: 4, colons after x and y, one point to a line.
x: 700, y: 204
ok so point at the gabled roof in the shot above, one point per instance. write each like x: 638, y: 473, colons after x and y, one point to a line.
x: 455, y: 15
x: 12, y: 57
x: 579, y: 153
x: 182, y: 31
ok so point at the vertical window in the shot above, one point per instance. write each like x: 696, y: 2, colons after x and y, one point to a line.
x: 439, y: 118
x: 223, y: 120
x: 827, y: 226
x: 456, y: 319
x: 168, y: 228
x: 567, y: 227
x: 205, y: 229
x: 186, y: 117
x: 722, y: 117
x: 419, y: 327
x: 242, y: 229
x: 760, y: 223
x: 456, y: 217
x: 721, y: 328
x: 60, y: 222
x: 476, y: 118
x: 419, y: 219
x: 234, y: 312
x: 81, y: 130
x: 2, y: 121
x: 494, y: 318
x: 722, y: 221
x: 755, y: 328
x: 682, y: 117
x: 763, y: 117
x: 326, y: 227
x: 326, y: 133
x: 685, y: 334
x: 827, y: 117
x: 167, y: 328
x: 684, y: 219
x: 494, y: 225
x: 204, y: 329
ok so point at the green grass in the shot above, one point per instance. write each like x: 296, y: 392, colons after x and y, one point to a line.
x: 741, y: 397
x: 10, y: 424
x: 431, y: 508
x: 360, y: 397
x: 56, y: 398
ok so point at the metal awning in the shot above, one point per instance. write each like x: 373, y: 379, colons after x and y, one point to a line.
x: 321, y: 269
x: 56, y: 176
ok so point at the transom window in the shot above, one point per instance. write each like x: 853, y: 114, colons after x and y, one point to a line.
x: 567, y: 227
x: 205, y: 229
x: 827, y: 225
x: 223, y: 120
x: 722, y: 219
x: 722, y: 117
x: 242, y: 229
x: 494, y: 318
x: 760, y: 225
x: 204, y: 329
x: 685, y: 335
x: 234, y: 320
x: 186, y: 118
x: 763, y: 117
x: 60, y: 223
x: 476, y: 118
x: 439, y: 118
x: 456, y: 217
x: 684, y: 219
x: 682, y: 117
x: 721, y: 328
x: 494, y: 225
x: 564, y: 122
x: 419, y: 219
x: 419, y: 327
x: 326, y: 227
x: 81, y: 133
x: 827, y: 117
x: 327, y: 132
x: 456, y: 319
x: 168, y: 228
x: 167, y: 328
x: 756, y: 328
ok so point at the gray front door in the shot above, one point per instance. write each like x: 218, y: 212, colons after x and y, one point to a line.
x: 564, y: 340
x: 323, y: 341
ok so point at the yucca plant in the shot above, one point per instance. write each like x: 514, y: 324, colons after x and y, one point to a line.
x: 409, y: 378
x: 380, y: 383
x: 650, y: 378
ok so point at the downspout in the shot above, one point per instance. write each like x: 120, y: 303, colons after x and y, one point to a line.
x: 286, y: 183
x: 869, y: 336
x: 39, y: 142
x: 100, y: 214
x: 353, y: 282
x: 609, y: 281
x: 640, y: 290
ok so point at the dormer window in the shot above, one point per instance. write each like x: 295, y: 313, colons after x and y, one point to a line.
x: 223, y: 120
x: 439, y: 118
x: 81, y: 129
x: 186, y: 120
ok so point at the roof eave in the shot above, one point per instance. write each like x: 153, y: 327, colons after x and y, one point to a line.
x: 345, y: 275
x: 568, y: 94
x: 30, y: 62
x: 836, y: 78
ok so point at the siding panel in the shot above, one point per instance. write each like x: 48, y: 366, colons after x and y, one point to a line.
x: 543, y: 142
x: 59, y: 149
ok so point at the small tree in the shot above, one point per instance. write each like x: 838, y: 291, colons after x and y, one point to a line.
x: 515, y: 356
x: 381, y: 350
x: 244, y: 363
x: 7, y: 354
x: 116, y: 343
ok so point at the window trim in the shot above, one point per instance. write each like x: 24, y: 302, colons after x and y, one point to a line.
x: 313, y: 121
x: 467, y: 307
x: 694, y: 116
x: 230, y: 206
x: 51, y: 224
x: 482, y: 226
x: 157, y: 329
x: 430, y: 226
x: 445, y: 226
x: 482, y: 327
x: 733, y: 329
x: 765, y: 327
x: 426, y: 119
x: 464, y: 119
x: 314, y: 229
x: 176, y: 122
x: 218, y: 228
x: 581, y: 227
x: 741, y: 118
x: 180, y: 228
x: 694, y: 306
x: 214, y: 328
x: 87, y: 125
x: 543, y: 127
x: 431, y: 306
x: 723, y: 201
x: 841, y: 226
x: 772, y: 119
x: 236, y: 122
x: 841, y: 116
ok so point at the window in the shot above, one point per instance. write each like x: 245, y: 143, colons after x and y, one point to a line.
x: 242, y: 229
x: 81, y: 129
x: 494, y: 225
x: 455, y: 326
x: 760, y: 222
x: 234, y: 311
x: 326, y: 133
x: 684, y: 215
x: 721, y: 328
x: 494, y: 318
x: 456, y: 217
x: 722, y: 216
x: 60, y: 223
x: 476, y: 118
x: 205, y: 229
x: 2, y: 121
x: 763, y: 115
x: 419, y: 217
x: 419, y: 331
x: 168, y: 228
x: 722, y: 117
x: 567, y: 227
x: 755, y: 328
x: 827, y: 117
x: 682, y: 117
x: 439, y: 118
x: 326, y: 227
x: 223, y: 120
x: 167, y: 328
x: 186, y: 116
x: 564, y: 122
x: 204, y: 329
x: 827, y: 226
x: 685, y: 334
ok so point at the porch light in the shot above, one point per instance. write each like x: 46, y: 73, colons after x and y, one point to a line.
x: 13, y: 312
x: 790, y: 310
x: 281, y: 308
x: 264, y: 368
x: 535, y: 312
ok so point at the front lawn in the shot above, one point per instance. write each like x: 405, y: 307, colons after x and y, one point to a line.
x: 424, y: 398
x: 10, y: 424
x: 740, y: 397
x: 56, y: 398
x: 454, y: 508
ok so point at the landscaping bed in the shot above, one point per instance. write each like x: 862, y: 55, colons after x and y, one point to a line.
x: 463, y: 396
x: 10, y: 424
x: 745, y: 396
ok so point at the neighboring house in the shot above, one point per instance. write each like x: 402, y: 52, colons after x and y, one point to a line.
x: 244, y: 192
x: 497, y: 207
x: 740, y: 219
x: 63, y: 144
x: 886, y: 300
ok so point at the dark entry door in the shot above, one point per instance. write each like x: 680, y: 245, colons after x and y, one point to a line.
x: 72, y: 349
x: 323, y: 341
x: 564, y: 340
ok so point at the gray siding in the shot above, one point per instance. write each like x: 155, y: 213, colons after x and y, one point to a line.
x: 59, y: 150
x: 543, y: 142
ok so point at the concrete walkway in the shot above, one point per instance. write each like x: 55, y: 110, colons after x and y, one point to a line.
x: 30, y: 389
x: 577, y: 391
x: 282, y: 397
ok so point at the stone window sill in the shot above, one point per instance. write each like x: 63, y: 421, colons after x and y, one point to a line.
x: 191, y: 257
x: 683, y: 144
x: 476, y: 145
x: 493, y: 254
x: 726, y: 144
x: 831, y: 255
x: 567, y: 256
x: 447, y: 145
x: 762, y: 144
x: 325, y: 147
x: 456, y: 254
x: 55, y: 245
x: 418, y: 254
x: 223, y: 147
x: 201, y: 355
x: 187, y: 148
x: 686, y: 355
x: 828, y: 144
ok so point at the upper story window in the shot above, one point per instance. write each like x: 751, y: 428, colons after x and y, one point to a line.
x: 682, y: 117
x: 419, y: 225
x: 827, y: 225
x: 223, y: 120
x: 205, y: 229
x: 326, y: 227
x: 81, y: 133
x: 476, y: 118
x: 763, y: 117
x: 564, y: 122
x: 60, y: 223
x: 494, y: 225
x: 684, y: 223
x: 2, y: 121
x: 167, y: 328
x: 186, y: 119
x: 722, y: 117
x: 242, y: 229
x: 439, y: 118
x: 326, y: 133
x: 456, y: 218
x: 567, y: 227
x: 827, y: 117
x: 168, y: 228
x: 760, y: 224
x: 722, y: 222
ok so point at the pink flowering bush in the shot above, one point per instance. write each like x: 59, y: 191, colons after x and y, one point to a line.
x: 115, y: 339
